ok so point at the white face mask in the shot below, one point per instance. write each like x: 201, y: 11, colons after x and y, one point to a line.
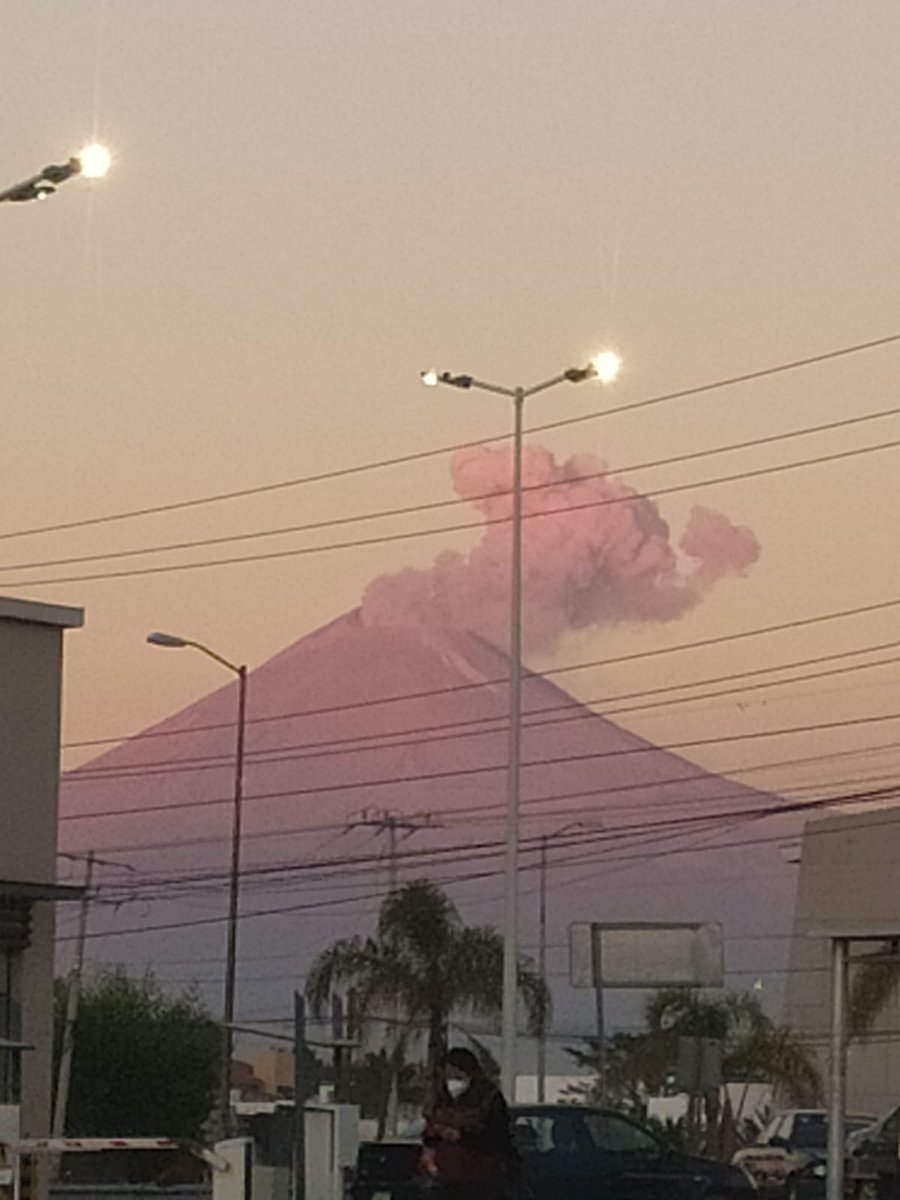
x: 456, y: 1087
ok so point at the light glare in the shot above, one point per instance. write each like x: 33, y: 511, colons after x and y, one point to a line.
x: 607, y: 365
x: 95, y: 161
x: 430, y: 378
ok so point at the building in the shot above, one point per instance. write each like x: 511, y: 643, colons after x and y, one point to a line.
x: 31, y: 637
x: 849, y: 878
x: 275, y: 1067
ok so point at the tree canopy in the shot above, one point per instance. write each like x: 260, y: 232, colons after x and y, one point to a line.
x: 144, y: 1063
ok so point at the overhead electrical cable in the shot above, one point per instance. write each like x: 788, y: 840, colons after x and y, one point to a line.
x: 412, y: 509
x: 384, y: 539
x: 590, y: 664
x: 422, y: 455
x: 476, y: 726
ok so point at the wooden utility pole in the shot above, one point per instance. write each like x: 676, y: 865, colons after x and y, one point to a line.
x: 542, y: 971
x: 393, y: 826
x: 73, y: 992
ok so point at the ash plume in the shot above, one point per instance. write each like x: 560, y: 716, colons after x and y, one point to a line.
x: 595, y: 552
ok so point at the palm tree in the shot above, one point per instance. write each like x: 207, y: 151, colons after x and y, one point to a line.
x: 755, y: 1049
x: 426, y: 964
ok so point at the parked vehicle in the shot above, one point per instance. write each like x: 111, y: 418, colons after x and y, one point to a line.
x: 872, y: 1165
x: 387, y: 1171
x: 570, y: 1152
x: 792, y: 1147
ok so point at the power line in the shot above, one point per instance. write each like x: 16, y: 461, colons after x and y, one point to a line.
x: 332, y: 903
x: 476, y: 726
x: 612, y: 660
x: 454, y: 851
x: 555, y: 798
x: 412, y: 509
x: 384, y: 539
x: 473, y: 850
x: 422, y: 455
x: 468, y: 772
x: 531, y: 802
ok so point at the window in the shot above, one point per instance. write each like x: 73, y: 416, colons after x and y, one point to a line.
x: 617, y: 1136
x: 577, y: 1142
x: 810, y: 1132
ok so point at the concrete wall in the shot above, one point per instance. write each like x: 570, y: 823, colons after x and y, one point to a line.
x: 30, y: 683
x: 849, y: 877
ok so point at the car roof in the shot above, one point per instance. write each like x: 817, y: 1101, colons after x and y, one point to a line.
x: 555, y: 1109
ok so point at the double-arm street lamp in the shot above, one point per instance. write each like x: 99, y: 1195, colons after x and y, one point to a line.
x: 92, y: 162
x: 171, y: 641
x: 604, y: 367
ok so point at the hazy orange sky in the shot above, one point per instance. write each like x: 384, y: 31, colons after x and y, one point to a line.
x: 312, y: 202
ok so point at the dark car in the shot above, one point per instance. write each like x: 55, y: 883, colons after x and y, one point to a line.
x: 387, y: 1171
x: 569, y: 1152
x: 580, y: 1153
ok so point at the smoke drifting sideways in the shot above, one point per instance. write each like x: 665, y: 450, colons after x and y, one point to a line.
x: 594, y: 552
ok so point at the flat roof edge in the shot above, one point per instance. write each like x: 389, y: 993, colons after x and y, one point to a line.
x: 36, y: 612
x: 24, y: 889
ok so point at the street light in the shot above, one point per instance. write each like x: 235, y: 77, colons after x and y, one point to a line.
x: 171, y: 641
x: 93, y: 162
x: 603, y: 367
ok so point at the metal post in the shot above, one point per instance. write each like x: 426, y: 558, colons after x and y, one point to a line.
x: 542, y: 971
x: 73, y: 993
x: 299, y: 1097
x: 391, y: 824
x: 511, y: 924
x: 338, y: 1037
x: 392, y: 1036
x: 837, y: 1100
x: 233, y: 898
x: 597, y: 962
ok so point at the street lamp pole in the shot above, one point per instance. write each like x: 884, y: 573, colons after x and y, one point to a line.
x: 234, y: 897
x: 605, y: 367
x: 170, y: 640
x: 508, y: 1022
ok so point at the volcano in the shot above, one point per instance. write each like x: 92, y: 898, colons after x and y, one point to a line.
x: 355, y: 721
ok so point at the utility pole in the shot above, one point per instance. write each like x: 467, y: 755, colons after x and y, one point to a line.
x: 542, y: 971
x: 300, y: 1093
x: 73, y: 993
x: 393, y: 825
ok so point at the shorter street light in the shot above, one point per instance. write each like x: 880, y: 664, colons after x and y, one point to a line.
x: 174, y: 642
x: 93, y: 162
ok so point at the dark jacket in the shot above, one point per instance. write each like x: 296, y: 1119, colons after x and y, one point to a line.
x: 483, y: 1151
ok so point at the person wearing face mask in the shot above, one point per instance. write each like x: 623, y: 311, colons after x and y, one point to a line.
x: 468, y: 1151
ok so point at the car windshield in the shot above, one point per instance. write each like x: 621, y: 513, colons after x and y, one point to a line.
x: 810, y: 1130
x: 573, y: 1141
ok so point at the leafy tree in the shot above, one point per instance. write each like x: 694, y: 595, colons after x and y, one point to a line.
x: 424, y: 963
x: 144, y: 1063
